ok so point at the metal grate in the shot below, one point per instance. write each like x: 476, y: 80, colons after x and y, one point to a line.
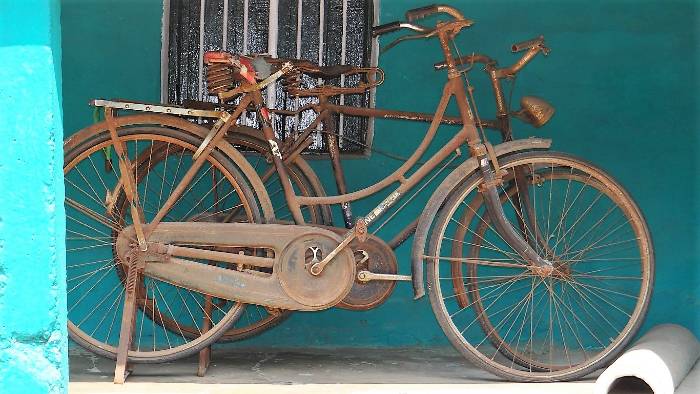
x: 324, y: 31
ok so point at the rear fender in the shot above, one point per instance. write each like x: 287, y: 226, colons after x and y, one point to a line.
x: 155, y: 120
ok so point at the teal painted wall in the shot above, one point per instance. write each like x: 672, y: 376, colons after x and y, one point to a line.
x: 621, y: 74
x: 110, y: 49
x: 33, y: 338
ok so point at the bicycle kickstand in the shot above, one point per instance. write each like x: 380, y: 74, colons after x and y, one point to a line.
x: 205, y: 354
x: 122, y: 369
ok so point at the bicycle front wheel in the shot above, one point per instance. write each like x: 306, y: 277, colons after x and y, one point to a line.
x: 525, y: 325
x: 171, y: 322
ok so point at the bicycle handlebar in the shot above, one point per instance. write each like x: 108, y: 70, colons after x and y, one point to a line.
x: 528, y: 44
x: 450, y: 28
x: 386, y: 28
x: 424, y: 12
x: 419, y: 13
x: 533, y: 47
x: 397, y: 25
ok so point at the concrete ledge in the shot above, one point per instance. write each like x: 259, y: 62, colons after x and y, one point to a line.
x: 475, y: 388
x: 336, y: 371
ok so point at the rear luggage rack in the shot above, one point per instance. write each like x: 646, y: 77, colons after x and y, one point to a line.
x: 156, y: 108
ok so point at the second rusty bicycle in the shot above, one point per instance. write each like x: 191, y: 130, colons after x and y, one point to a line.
x: 539, y: 264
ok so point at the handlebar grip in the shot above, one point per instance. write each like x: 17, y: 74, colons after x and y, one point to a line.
x: 385, y: 28
x: 421, y: 12
x: 528, y: 44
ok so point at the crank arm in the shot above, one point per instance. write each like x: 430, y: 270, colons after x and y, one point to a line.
x: 366, y: 276
x: 359, y: 231
x: 318, y: 266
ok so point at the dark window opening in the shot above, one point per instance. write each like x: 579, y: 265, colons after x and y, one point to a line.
x: 327, y: 32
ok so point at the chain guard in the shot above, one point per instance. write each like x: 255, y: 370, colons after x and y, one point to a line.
x: 286, y: 284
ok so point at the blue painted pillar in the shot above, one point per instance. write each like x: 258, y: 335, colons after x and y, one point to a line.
x: 33, y: 338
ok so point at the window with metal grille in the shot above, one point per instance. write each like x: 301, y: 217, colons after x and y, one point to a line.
x: 327, y: 32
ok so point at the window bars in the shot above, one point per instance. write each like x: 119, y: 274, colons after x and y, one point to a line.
x: 327, y: 32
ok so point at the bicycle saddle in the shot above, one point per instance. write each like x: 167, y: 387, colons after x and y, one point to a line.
x: 225, y: 70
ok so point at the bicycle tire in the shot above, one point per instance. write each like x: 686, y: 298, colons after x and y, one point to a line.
x: 487, y: 354
x: 83, y: 148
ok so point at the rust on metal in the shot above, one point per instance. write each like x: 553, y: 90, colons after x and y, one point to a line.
x: 281, y: 289
x: 126, y: 332
x: 535, y: 111
x: 374, y: 256
x: 155, y: 108
x: 127, y: 176
x: 361, y: 230
x: 192, y: 171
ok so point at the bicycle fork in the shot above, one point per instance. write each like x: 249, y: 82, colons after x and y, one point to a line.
x: 487, y: 188
x: 503, y: 227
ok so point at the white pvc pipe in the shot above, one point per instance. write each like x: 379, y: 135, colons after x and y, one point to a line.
x: 164, y: 51
x: 245, y: 27
x: 691, y: 383
x: 662, y: 358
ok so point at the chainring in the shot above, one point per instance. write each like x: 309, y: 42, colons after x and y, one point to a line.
x: 381, y: 260
x: 325, y: 289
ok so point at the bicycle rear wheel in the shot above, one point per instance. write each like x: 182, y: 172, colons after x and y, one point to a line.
x: 520, y: 324
x: 171, y: 322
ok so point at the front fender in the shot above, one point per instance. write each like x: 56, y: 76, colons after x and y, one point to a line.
x: 456, y: 177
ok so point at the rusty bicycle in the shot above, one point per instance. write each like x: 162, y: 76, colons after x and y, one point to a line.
x: 539, y: 264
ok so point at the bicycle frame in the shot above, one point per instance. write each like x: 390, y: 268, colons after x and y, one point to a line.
x: 454, y: 88
x: 325, y: 111
x: 468, y: 134
x: 252, y: 95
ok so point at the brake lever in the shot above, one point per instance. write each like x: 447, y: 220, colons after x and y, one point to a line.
x: 404, y: 38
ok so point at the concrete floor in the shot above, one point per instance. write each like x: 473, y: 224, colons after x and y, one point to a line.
x: 308, y: 371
